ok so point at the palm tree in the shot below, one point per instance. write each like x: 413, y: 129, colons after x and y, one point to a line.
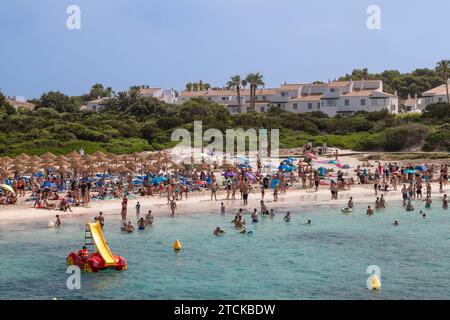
x: 255, y: 80
x: 443, y: 67
x: 235, y: 83
x: 189, y: 86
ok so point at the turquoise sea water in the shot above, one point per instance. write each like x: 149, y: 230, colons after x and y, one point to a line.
x: 327, y: 260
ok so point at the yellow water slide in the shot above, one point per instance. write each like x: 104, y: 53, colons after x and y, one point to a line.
x: 99, y: 241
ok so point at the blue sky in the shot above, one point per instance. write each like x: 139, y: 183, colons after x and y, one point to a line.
x: 166, y: 43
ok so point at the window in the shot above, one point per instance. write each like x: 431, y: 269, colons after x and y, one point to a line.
x: 347, y: 102
x: 332, y: 89
x: 284, y: 94
x: 440, y: 99
x: 363, y: 102
x: 264, y: 98
x: 262, y: 109
x: 318, y: 105
x: 309, y: 105
x: 209, y: 98
x: 331, y: 103
x: 295, y: 106
x: 94, y: 107
x: 224, y: 98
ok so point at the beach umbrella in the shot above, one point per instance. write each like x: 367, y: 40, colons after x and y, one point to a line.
x: 48, y: 155
x: 6, y: 159
x: 74, y: 155
x: 22, y: 156
x: 35, y: 158
x: 98, y: 153
x: 105, y: 167
x: 229, y: 174
x: 410, y: 171
x: 63, y: 170
x: 422, y: 168
x: 62, y: 158
x: 322, y: 171
x: 7, y: 187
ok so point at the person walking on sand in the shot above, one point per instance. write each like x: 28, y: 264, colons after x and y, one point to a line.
x: 275, y: 192
x: 316, y: 180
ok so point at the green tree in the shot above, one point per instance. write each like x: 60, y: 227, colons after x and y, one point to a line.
x: 255, y: 80
x: 235, y: 83
x: 58, y: 101
x: 443, y: 68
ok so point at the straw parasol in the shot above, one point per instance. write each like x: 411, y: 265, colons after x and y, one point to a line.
x: 48, y: 155
x: 35, y: 158
x: 22, y: 156
x: 62, y: 158
x: 74, y: 155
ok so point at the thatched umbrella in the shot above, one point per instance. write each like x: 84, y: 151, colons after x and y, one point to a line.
x: 227, y: 166
x: 4, y: 173
x: 99, y: 154
x: 74, y: 155
x: 91, y: 168
x: 18, y: 168
x: 105, y: 167
x: 48, y: 155
x: 22, y: 156
x: 33, y: 169
x: 35, y: 158
x: 62, y: 158
x: 122, y: 169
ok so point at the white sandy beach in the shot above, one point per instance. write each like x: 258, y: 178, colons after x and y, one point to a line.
x: 199, y: 202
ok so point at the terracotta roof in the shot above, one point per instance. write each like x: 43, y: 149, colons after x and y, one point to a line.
x: 412, y: 102
x: 291, y: 86
x: 21, y: 104
x: 312, y: 97
x: 339, y: 84
x: 149, y: 91
x: 438, y: 91
x: 226, y: 93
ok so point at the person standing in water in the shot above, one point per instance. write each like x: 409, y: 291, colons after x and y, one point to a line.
x: 264, y: 209
x: 383, y: 203
x: 287, y: 217
x: 222, y: 208
x: 255, y: 216
x: 173, y: 207
x: 369, y: 211
x: 58, y: 221
x: 138, y: 210
x: 428, y: 202
x: 350, y: 204
x: 275, y: 192
x: 123, y: 212
x: 404, y: 194
x: 445, y: 202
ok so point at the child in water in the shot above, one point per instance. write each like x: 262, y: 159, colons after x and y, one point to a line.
x: 287, y: 217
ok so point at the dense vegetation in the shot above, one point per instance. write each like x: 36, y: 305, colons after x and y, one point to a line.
x: 130, y: 123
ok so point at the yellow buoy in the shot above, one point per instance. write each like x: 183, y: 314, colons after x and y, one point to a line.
x: 375, y: 283
x: 177, y: 245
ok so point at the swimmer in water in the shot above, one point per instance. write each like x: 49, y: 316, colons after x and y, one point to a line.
x: 218, y: 231
x: 409, y: 206
x: 307, y: 223
x: 272, y: 213
x: 264, y: 210
x: 287, y: 217
x: 369, y: 211
x: 424, y: 215
x: 396, y: 223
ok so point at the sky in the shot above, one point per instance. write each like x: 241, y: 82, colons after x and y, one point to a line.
x: 167, y: 43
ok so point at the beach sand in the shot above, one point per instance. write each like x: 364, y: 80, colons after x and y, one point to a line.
x: 199, y: 202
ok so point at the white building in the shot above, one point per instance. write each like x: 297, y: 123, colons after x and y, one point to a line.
x: 343, y: 97
x: 338, y: 97
x: 94, y: 105
x: 168, y: 96
x: 435, y: 95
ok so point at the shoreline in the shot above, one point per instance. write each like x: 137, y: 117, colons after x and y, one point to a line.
x: 200, y: 203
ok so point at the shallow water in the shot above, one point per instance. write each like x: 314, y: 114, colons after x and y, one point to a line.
x: 327, y: 260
